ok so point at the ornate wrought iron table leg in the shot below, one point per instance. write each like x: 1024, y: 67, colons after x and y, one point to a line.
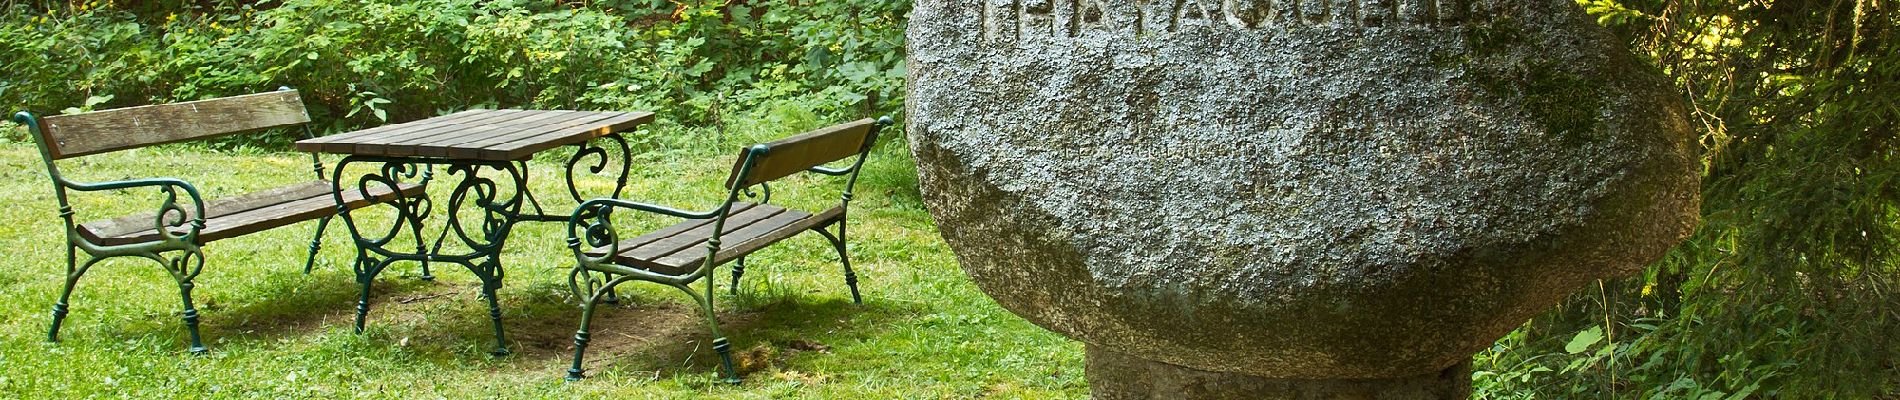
x: 372, y: 254
x: 499, y: 213
x: 594, y: 157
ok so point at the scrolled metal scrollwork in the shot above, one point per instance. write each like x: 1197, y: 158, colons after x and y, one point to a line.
x: 764, y: 187
x: 387, y: 178
x: 594, y: 241
x: 485, y: 195
x: 591, y: 150
x: 173, y: 215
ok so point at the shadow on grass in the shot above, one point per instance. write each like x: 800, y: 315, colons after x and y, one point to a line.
x: 668, y: 337
x: 304, y: 304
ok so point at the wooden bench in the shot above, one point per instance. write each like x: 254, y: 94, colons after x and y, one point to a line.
x: 173, y: 233
x: 683, y: 253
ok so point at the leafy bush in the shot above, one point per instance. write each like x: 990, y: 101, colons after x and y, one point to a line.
x: 362, y: 63
x: 1787, y: 289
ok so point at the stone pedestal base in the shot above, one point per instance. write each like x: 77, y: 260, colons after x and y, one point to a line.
x: 1116, y: 376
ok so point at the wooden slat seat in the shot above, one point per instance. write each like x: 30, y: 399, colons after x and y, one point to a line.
x: 680, y: 249
x: 677, y: 255
x: 61, y: 137
x: 236, y: 216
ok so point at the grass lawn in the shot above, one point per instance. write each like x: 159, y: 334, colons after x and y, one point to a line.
x: 924, y: 330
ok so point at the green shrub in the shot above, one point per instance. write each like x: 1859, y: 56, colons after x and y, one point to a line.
x: 1787, y: 288
x: 363, y: 63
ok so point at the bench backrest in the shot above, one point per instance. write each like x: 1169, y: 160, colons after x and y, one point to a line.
x: 67, y: 136
x: 783, y: 157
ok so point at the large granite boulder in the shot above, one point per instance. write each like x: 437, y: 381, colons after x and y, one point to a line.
x: 1293, y: 189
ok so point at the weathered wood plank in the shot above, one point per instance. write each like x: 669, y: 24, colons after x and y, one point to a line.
x: 675, y: 243
x: 748, y: 240
x: 399, y: 144
x: 798, y: 153
x: 669, y: 231
x: 437, y: 145
x: 469, y: 143
x: 380, y: 130
x: 146, y: 221
x: 490, y: 135
x: 127, y: 128
x: 520, y: 149
x: 473, y: 148
x: 345, y: 142
x: 242, y: 215
x: 753, y: 242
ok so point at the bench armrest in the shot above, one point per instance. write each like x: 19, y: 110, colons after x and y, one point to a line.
x: 589, y: 226
x: 591, y: 235
x: 170, y: 188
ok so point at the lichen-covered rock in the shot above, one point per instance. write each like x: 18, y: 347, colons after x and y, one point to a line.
x: 1310, y: 189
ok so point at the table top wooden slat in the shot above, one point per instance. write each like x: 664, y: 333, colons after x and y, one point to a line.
x: 488, y: 135
x: 521, y: 148
x: 407, y: 144
x: 342, y: 142
x: 449, y: 145
x: 353, y: 142
x: 438, y: 145
x: 346, y: 136
x: 474, y: 148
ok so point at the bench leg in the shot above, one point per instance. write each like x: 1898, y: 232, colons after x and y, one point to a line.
x: 73, y: 271
x: 738, y: 270
x: 366, y: 270
x: 844, y: 257
x: 362, y: 304
x: 719, y: 342
x: 191, y: 316
x: 612, y: 297
x: 415, y: 215
x: 316, y: 245
x: 489, y: 291
x: 581, y: 336
x: 185, y: 268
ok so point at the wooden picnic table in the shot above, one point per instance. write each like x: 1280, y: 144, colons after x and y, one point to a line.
x: 469, y: 144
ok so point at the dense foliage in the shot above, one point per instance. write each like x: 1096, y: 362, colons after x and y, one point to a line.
x: 1787, y: 289
x: 362, y: 62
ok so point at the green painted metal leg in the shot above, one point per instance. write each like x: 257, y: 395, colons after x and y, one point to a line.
x: 191, y: 316
x: 720, y: 344
x: 612, y: 296
x: 738, y: 270
x: 362, y: 301
x: 415, y: 225
x: 494, y: 313
x: 724, y: 347
x: 72, y: 278
x: 850, y: 277
x: 316, y: 245
x: 575, y: 372
x: 844, y: 257
x: 59, y: 308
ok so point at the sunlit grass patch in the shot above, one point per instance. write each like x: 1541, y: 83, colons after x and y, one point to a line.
x: 924, y: 331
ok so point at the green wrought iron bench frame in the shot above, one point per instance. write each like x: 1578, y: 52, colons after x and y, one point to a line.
x: 179, y: 228
x: 664, y: 256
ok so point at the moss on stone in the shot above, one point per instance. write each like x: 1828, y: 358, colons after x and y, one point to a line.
x: 1564, y: 102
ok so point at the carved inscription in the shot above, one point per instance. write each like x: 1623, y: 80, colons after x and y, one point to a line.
x: 1008, y: 21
